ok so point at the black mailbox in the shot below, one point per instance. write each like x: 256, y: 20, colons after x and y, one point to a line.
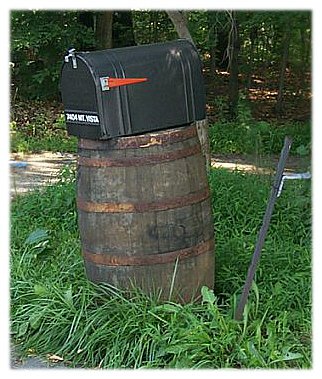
x: 132, y: 90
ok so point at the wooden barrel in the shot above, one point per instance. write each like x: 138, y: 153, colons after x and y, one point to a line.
x: 144, y: 213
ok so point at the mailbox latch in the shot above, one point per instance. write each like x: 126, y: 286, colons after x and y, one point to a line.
x: 71, y: 54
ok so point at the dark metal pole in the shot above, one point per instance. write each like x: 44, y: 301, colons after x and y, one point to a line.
x: 264, y: 228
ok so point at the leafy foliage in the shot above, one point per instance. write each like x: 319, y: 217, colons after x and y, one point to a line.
x: 39, y: 40
x: 152, y: 27
x: 248, y: 136
x: 37, y: 126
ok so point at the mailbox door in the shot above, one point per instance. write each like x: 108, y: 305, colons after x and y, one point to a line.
x: 81, y: 103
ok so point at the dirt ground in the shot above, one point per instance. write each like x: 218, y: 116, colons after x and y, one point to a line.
x: 41, y: 169
x: 37, y: 170
x: 258, y: 164
x: 32, y: 361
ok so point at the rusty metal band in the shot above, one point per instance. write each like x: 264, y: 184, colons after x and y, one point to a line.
x: 140, y: 161
x: 151, y: 259
x: 140, y: 141
x: 161, y: 205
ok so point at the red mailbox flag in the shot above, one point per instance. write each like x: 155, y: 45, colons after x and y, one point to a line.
x: 108, y: 83
x: 116, y: 82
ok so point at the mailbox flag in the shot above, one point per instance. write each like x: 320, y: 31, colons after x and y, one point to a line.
x: 108, y: 82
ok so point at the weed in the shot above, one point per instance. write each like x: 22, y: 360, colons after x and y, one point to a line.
x: 55, y: 309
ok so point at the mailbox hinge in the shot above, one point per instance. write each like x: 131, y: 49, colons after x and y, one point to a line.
x: 71, y: 54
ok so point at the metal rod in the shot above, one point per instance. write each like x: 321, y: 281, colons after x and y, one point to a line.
x: 263, y: 231
x: 303, y: 175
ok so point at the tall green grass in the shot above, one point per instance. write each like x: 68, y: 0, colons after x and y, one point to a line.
x: 245, y: 135
x: 55, y: 310
x: 258, y: 137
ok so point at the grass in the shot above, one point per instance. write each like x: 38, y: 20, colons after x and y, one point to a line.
x: 251, y: 137
x: 44, y: 132
x: 27, y: 145
x: 55, y: 310
x: 259, y: 138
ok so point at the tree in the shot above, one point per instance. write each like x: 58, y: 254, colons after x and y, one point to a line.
x: 104, y: 30
x: 123, y: 34
x: 180, y: 22
x: 233, y: 56
x: 286, y: 39
x: 152, y: 26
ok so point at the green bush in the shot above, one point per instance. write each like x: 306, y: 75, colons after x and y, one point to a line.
x: 39, y: 40
x: 248, y: 136
x: 39, y: 126
x: 61, y: 143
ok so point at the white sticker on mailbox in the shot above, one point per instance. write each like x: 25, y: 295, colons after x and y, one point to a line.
x: 81, y: 117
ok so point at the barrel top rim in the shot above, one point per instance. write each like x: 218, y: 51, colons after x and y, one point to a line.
x: 163, y: 137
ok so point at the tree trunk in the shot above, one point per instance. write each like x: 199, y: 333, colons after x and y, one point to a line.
x: 303, y: 62
x: 250, y: 63
x: 212, y: 44
x: 87, y: 18
x: 155, y: 27
x: 234, y: 47
x: 151, y: 17
x: 285, y: 50
x: 213, y: 65
x: 104, y: 30
x: 123, y: 34
x: 180, y: 23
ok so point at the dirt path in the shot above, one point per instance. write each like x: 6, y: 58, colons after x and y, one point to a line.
x: 257, y: 164
x: 32, y: 361
x: 41, y: 169
x: 29, y: 171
